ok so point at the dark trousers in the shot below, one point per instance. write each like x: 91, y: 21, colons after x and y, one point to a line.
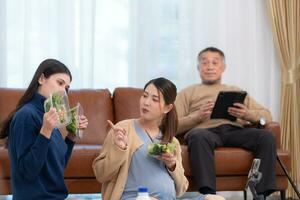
x: 201, y: 145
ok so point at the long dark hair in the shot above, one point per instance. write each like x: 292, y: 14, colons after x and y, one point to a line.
x: 169, y: 122
x: 47, y: 68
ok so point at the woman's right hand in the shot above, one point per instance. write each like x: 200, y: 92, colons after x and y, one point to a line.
x: 120, y: 136
x: 50, y: 121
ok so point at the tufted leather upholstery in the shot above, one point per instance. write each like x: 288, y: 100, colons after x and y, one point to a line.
x: 232, y: 164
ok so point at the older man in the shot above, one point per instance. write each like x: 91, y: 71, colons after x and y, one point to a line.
x: 195, y: 104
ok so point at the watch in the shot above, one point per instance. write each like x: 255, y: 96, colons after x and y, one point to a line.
x: 262, y: 121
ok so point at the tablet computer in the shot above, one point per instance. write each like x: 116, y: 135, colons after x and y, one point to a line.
x: 224, y: 100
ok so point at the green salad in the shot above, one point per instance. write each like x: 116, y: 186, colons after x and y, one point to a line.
x: 155, y: 149
x: 47, y: 104
x: 72, y: 127
x: 56, y: 100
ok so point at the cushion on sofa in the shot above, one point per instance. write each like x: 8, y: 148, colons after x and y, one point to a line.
x: 126, y: 103
x: 239, y: 164
x: 8, y: 101
x: 97, y: 105
x: 80, y: 163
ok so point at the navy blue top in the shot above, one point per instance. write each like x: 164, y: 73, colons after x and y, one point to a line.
x: 36, y: 163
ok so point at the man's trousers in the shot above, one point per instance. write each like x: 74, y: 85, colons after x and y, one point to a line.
x: 202, y: 142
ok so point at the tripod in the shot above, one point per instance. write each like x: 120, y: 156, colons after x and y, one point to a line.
x: 288, y: 176
x: 259, y: 126
x: 254, y: 178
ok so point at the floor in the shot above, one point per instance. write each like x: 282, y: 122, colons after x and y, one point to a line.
x: 227, y: 195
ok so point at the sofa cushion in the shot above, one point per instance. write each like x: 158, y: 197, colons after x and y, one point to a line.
x: 4, y: 161
x: 8, y: 101
x: 239, y: 164
x: 125, y: 107
x: 97, y: 105
x: 80, y: 163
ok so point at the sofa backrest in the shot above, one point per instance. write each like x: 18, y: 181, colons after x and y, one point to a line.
x: 126, y: 102
x: 97, y: 105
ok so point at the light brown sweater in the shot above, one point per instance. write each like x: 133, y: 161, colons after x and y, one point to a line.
x: 112, y: 165
x: 190, y: 99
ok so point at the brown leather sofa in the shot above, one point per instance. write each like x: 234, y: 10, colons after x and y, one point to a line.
x: 232, y: 164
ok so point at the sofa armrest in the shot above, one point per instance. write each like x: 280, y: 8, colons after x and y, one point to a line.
x: 274, y: 128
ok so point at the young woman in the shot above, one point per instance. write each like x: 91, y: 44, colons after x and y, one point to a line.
x: 38, y: 153
x: 124, y: 164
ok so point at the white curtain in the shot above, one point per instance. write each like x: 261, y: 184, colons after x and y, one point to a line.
x: 112, y: 43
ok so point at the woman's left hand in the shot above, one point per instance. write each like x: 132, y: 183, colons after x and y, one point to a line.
x: 169, y: 159
x: 83, y: 122
x: 82, y: 125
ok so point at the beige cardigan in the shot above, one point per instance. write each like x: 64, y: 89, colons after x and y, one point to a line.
x: 112, y: 165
